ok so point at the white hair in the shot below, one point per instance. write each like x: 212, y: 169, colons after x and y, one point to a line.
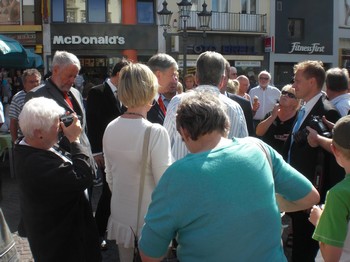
x: 265, y: 73
x: 39, y: 113
x: 64, y: 58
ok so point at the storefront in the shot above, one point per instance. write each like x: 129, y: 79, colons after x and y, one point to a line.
x: 242, y: 51
x: 100, y: 46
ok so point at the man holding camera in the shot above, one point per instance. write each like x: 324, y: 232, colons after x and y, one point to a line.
x: 318, y: 165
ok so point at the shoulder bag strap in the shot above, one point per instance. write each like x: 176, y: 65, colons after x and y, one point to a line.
x: 143, y: 171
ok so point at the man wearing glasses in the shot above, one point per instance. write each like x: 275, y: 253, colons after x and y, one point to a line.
x: 267, y: 96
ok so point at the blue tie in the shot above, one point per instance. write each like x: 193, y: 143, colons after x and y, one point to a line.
x: 300, y: 117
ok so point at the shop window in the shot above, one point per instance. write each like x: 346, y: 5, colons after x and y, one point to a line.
x: 295, y: 28
x: 86, y: 11
x: 145, y: 12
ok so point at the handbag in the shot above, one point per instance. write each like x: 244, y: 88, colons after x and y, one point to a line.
x: 137, y: 257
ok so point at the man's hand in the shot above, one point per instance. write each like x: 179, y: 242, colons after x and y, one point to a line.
x: 313, y: 137
x: 315, y: 214
x: 73, y: 131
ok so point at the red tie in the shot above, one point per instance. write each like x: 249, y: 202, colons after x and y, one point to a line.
x: 66, y: 97
x: 161, y: 104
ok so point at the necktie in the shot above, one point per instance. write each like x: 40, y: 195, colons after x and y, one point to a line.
x: 300, y: 117
x: 66, y: 97
x: 161, y: 104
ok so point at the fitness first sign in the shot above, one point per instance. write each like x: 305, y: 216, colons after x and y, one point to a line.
x: 313, y: 48
x: 88, y: 40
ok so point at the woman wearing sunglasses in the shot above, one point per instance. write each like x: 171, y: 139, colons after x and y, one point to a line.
x: 277, y: 124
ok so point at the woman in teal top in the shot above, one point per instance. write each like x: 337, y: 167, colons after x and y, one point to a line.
x: 219, y: 202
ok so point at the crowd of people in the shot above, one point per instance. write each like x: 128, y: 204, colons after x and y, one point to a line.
x: 206, y: 166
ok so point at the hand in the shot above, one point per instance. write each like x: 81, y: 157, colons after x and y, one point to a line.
x: 315, y: 214
x: 275, y: 110
x: 329, y: 124
x: 256, y: 106
x: 100, y: 161
x: 73, y: 131
x: 313, y: 137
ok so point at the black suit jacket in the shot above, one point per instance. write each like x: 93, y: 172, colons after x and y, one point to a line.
x: 49, y: 90
x: 155, y: 114
x: 101, y: 108
x: 247, y: 110
x: 305, y: 158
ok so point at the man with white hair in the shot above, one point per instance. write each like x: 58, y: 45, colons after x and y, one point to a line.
x: 268, y: 96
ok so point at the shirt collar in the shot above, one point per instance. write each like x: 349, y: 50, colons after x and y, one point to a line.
x: 113, y: 87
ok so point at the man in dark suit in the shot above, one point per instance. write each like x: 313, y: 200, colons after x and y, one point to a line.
x: 101, y: 108
x: 59, y: 87
x: 316, y: 164
x: 244, y: 103
x: 165, y: 69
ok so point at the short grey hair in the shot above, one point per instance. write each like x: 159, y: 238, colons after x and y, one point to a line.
x: 162, y: 62
x: 39, y: 113
x: 265, y: 73
x: 64, y: 58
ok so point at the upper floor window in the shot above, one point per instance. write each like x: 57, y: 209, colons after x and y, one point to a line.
x: 248, y: 6
x: 145, y: 12
x: 86, y: 11
x: 219, y: 6
x: 295, y: 28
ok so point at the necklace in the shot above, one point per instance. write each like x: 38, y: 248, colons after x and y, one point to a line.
x: 134, y: 114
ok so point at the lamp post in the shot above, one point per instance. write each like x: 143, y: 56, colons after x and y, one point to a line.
x: 184, y: 14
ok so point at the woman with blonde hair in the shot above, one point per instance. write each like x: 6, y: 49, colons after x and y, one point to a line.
x: 123, y: 145
x: 276, y: 126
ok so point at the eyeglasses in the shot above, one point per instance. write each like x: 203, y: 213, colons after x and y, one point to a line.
x: 264, y: 78
x: 290, y: 95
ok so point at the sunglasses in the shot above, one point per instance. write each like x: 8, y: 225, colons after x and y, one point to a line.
x: 290, y: 95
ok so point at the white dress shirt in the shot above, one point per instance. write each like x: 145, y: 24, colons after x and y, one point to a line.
x: 267, y: 98
x: 238, y: 125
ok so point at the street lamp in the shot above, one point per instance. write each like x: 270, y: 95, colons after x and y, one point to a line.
x: 184, y: 14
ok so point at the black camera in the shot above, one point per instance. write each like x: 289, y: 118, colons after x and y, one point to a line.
x: 315, y: 123
x: 68, y: 119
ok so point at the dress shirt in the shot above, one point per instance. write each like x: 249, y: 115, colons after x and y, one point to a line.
x: 342, y: 103
x: 267, y: 98
x: 238, y: 126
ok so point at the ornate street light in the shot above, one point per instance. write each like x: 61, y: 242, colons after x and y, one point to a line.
x: 184, y: 14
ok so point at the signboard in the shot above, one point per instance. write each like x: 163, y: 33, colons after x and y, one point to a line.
x: 269, y: 44
x: 247, y: 64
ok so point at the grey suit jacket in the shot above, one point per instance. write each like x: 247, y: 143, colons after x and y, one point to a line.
x: 49, y: 90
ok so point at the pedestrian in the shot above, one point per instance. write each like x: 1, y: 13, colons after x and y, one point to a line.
x: 332, y: 219
x: 56, y: 213
x: 219, y: 201
x: 103, y: 106
x: 316, y: 164
x: 123, y: 142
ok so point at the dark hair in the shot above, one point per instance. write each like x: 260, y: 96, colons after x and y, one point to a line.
x: 200, y: 113
x: 118, y: 66
x: 210, y: 68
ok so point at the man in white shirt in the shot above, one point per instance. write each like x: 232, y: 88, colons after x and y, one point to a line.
x: 268, y: 96
x: 337, y: 89
x: 209, y: 76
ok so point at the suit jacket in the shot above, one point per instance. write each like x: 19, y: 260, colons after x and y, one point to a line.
x: 101, y: 108
x: 247, y: 110
x: 49, y: 90
x: 305, y: 158
x: 54, y: 207
x: 155, y: 114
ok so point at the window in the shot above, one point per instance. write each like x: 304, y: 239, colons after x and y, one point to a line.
x: 97, y: 11
x: 86, y: 11
x: 295, y: 28
x: 145, y: 13
x: 220, y: 6
x: 248, y: 6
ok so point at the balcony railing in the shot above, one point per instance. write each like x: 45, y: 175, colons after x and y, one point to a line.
x: 230, y: 22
